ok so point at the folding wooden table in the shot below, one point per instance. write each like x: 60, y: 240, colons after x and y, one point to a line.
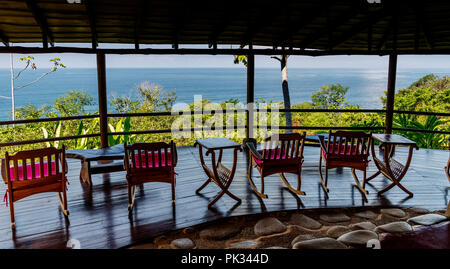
x: 388, y: 166
x: 221, y: 175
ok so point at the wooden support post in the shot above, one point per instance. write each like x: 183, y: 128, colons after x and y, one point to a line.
x: 250, y: 94
x: 390, y: 92
x: 102, y: 104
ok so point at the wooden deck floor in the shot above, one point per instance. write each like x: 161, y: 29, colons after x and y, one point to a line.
x: 99, y: 217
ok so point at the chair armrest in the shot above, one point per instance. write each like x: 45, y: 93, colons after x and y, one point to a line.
x: 322, y: 143
x: 252, y: 148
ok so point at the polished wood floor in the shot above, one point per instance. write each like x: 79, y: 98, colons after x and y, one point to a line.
x: 99, y: 216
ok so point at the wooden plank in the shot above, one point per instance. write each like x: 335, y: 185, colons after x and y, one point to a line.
x: 99, y: 216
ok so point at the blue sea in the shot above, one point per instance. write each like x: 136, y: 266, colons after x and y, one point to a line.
x: 216, y: 84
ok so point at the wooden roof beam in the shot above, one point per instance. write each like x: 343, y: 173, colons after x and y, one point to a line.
x: 181, y: 19
x: 265, y: 19
x: 386, y: 34
x: 296, y: 26
x: 366, y: 23
x: 332, y: 26
x: 89, y: 6
x: 4, y: 38
x: 219, y: 28
x: 42, y: 22
x: 140, y: 17
x: 423, y: 26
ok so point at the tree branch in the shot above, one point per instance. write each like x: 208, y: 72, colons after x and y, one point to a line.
x: 36, y: 80
x: 25, y: 68
x: 275, y: 57
x: 5, y: 97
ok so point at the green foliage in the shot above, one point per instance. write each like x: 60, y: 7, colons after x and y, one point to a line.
x: 30, y: 111
x: 73, y: 104
x: 121, y: 126
x: 240, y: 59
x: 86, y: 143
x: 430, y: 93
x: 56, y: 134
x: 124, y: 104
x: 423, y: 140
x: 330, y: 97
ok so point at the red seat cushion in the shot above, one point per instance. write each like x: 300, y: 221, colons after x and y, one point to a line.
x: 143, y: 163
x: 342, y: 152
x: 272, y: 156
x: 37, y: 171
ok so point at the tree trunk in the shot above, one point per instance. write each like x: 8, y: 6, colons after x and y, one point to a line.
x: 285, y: 87
x: 13, y: 108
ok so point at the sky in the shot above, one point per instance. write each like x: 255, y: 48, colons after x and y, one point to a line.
x: 226, y: 61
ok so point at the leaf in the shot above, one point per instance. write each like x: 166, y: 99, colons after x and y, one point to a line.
x: 46, y: 136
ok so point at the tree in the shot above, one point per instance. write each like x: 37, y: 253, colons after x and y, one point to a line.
x: 330, y: 97
x: 29, y: 62
x: 285, y: 88
x: 284, y: 83
x: 73, y: 104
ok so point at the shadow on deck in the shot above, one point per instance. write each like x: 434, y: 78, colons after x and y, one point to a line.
x: 99, y: 216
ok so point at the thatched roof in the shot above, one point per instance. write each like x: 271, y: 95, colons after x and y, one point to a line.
x: 342, y: 25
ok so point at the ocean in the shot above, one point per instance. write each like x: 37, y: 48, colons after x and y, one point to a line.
x: 216, y: 84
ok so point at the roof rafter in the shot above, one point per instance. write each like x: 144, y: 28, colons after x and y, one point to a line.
x: 300, y: 24
x: 42, y: 22
x: 262, y: 21
x: 222, y: 25
x: 332, y: 25
x: 386, y: 34
x: 367, y: 22
x: 140, y: 18
x: 4, y: 38
x: 89, y: 6
x: 423, y: 25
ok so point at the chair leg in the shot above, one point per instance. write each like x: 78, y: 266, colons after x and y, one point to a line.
x: 255, y: 189
x: 322, y: 181
x: 252, y: 184
x: 131, y: 193
x: 11, y: 210
x: 63, y: 201
x: 173, y: 192
x: 296, y: 191
x: 360, y: 188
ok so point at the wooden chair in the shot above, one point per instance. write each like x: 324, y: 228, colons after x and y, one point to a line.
x: 149, y: 162
x: 280, y: 154
x: 345, y: 149
x: 35, y: 171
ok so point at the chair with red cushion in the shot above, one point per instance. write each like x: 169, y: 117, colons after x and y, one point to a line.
x: 35, y: 171
x: 149, y: 162
x: 345, y: 149
x: 281, y: 154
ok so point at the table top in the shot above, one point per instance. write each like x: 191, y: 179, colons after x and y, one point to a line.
x: 393, y: 139
x: 217, y: 143
x: 110, y: 153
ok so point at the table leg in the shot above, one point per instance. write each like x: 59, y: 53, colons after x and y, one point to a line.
x: 219, y: 177
x: 205, y: 168
x: 396, y: 179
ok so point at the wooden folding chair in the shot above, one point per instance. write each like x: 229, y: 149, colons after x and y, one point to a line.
x: 345, y: 149
x: 281, y: 154
x: 149, y: 162
x: 35, y: 171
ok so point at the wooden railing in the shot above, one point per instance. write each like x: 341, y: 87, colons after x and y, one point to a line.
x: 210, y: 112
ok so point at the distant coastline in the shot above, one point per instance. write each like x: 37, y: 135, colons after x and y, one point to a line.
x: 216, y: 84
